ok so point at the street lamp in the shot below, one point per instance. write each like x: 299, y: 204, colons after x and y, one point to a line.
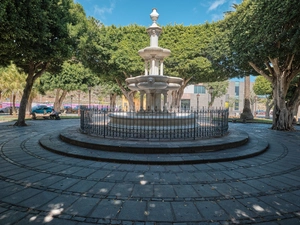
x: 198, y: 101
x: 210, y: 91
x: 79, y: 103
x: 90, y: 90
x: 255, y: 102
x: 71, y: 102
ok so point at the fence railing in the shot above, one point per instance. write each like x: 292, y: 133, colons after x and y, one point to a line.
x: 152, y: 125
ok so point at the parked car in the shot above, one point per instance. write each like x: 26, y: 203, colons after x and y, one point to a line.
x: 7, y: 110
x: 41, y: 109
x: 4, y: 110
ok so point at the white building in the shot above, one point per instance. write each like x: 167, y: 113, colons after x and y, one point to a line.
x: 197, y: 95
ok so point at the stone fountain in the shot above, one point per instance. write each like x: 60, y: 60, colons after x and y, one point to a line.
x: 153, y: 86
x: 154, y: 83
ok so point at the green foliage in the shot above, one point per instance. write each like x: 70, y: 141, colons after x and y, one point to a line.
x: 261, y: 29
x: 262, y: 86
x: 38, y: 36
x: 112, y: 51
x: 74, y: 76
x: 187, y: 45
x: 36, y: 31
x: 12, y: 80
x: 219, y: 89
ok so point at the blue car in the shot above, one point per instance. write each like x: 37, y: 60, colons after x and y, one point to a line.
x: 41, y: 109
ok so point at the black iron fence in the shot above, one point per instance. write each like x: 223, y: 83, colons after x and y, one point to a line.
x: 152, y: 125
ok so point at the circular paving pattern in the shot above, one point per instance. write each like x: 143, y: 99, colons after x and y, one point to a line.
x: 38, y: 186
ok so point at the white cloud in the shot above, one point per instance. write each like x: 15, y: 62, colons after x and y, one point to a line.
x: 216, y: 4
x: 102, y: 11
x: 216, y: 17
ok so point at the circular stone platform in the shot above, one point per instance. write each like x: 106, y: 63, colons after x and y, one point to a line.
x: 236, y: 145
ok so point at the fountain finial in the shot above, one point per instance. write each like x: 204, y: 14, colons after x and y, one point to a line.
x: 154, y: 15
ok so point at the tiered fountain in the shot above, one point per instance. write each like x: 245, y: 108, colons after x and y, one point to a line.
x: 153, y: 85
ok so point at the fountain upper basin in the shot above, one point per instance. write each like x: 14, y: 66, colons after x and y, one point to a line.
x: 153, y: 82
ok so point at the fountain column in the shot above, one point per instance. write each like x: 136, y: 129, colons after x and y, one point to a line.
x: 146, y: 67
x: 161, y: 67
x: 165, y: 101
x: 142, y: 93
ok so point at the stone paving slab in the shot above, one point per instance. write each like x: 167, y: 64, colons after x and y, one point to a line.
x: 41, y: 187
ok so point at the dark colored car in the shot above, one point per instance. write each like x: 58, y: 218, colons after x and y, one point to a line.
x: 7, y: 109
x: 41, y: 109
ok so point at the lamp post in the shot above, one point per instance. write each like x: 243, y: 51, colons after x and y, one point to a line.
x: 255, y: 102
x: 71, y: 102
x: 90, y: 90
x: 198, y: 101
x: 210, y: 91
x: 78, y: 103
x: 11, y: 104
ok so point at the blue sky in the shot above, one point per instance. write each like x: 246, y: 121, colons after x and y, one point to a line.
x: 186, y: 12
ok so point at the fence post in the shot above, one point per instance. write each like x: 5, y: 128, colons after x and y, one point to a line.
x: 195, y: 125
x: 104, y: 124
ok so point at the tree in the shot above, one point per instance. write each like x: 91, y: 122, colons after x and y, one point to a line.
x: 293, y: 95
x: 263, y: 87
x: 187, y: 60
x: 12, y: 82
x: 262, y: 37
x: 219, y: 89
x: 112, y: 52
x: 74, y: 76
x: 37, y: 36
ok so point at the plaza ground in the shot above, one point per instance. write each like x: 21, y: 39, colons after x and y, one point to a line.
x: 40, y: 187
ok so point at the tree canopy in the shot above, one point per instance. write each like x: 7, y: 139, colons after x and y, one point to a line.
x: 262, y: 37
x: 73, y: 76
x: 40, y: 43
x: 114, y: 53
x: 262, y: 86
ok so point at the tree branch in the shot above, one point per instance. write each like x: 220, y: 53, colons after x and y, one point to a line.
x: 275, y: 65
x: 41, y: 71
x: 261, y: 72
x: 290, y: 61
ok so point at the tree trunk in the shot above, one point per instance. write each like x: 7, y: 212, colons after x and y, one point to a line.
x: 212, y: 99
x: 269, y: 106
x: 247, y: 114
x: 14, y: 111
x: 28, y: 106
x: 112, y: 100
x: 177, y: 95
x: 282, y: 118
x: 281, y: 77
x: 128, y: 95
x: 56, y: 100
x: 59, y: 99
x: 24, y: 100
x: 31, y: 77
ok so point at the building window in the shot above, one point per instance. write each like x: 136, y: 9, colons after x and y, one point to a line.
x: 199, y: 89
x: 236, y: 104
x: 185, y: 104
x: 237, y: 95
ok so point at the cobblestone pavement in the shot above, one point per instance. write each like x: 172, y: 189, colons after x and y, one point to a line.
x: 41, y: 187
